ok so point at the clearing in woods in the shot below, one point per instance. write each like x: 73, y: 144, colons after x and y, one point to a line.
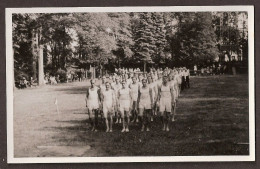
x: 212, y: 119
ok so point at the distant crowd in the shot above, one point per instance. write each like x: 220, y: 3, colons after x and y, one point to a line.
x: 81, y: 75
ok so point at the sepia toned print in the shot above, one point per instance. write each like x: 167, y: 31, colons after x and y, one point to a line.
x: 136, y: 84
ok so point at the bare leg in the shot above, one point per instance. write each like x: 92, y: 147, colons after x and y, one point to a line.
x: 151, y: 114
x: 96, y: 120
x: 117, y: 116
x: 148, y: 115
x: 92, y: 121
x: 167, y: 120
x: 120, y: 117
x: 137, y: 117
x: 111, y: 123
x: 107, y: 126
x: 164, y: 121
x: 133, y: 115
x: 141, y: 115
x: 127, y: 121
x: 123, y: 119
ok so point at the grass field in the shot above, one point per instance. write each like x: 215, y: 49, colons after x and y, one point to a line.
x: 212, y: 119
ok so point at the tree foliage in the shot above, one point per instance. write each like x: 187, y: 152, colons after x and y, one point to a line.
x: 113, y: 39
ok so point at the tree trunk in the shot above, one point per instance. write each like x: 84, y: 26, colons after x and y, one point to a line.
x: 34, y: 53
x: 40, y: 67
x: 144, y: 66
x: 14, y: 87
x: 101, y: 71
x: 40, y: 61
x: 94, y: 72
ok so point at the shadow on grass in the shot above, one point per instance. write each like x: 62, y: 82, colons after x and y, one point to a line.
x: 216, y: 126
x: 73, y: 90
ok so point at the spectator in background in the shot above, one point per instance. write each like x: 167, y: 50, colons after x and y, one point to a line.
x: 211, y: 70
x: 183, y: 83
x: 195, y: 70
x: 23, y: 83
x: 80, y: 75
x: 187, y: 78
x: 46, y: 79
x: 57, y: 78
x: 53, y: 80
x: 207, y: 71
x: 33, y: 82
x: 202, y: 71
x: 68, y: 77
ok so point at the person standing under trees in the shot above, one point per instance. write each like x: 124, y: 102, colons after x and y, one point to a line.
x: 183, y: 82
x: 166, y: 98
x: 174, y: 86
x: 187, y: 78
x: 103, y: 84
x: 145, y: 103
x: 116, y: 86
x: 108, y: 104
x: 179, y: 80
x: 153, y: 86
x: 125, y: 100
x: 93, y: 104
x: 134, y: 86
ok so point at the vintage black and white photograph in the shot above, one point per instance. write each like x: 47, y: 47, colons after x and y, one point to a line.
x: 130, y: 84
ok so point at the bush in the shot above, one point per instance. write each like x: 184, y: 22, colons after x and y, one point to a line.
x: 89, y: 75
x: 18, y: 75
x: 62, y: 74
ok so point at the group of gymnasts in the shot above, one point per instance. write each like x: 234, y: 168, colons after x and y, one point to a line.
x: 135, y: 95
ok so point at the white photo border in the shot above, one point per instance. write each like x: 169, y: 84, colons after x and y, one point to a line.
x: 10, y: 83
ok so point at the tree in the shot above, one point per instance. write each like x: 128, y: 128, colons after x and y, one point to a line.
x: 22, y: 28
x: 161, y: 54
x: 144, y: 40
x: 195, y: 40
x: 227, y: 31
x: 123, y: 36
x: 96, y: 40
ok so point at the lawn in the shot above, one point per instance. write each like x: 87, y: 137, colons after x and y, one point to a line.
x: 212, y: 119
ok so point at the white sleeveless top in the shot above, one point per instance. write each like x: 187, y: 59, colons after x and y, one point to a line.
x: 124, y: 94
x: 134, y: 88
x: 102, y: 87
x: 166, y: 91
x: 145, y: 93
x: 93, y: 95
x: 107, y: 95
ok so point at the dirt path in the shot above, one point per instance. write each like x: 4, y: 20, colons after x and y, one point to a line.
x: 36, y: 120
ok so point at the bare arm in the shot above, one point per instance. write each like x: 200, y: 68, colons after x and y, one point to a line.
x: 172, y: 94
x: 138, y: 98
x: 155, y: 92
x: 87, y: 94
x: 151, y: 95
x: 113, y: 99
x: 176, y: 89
x: 131, y: 95
x: 118, y: 94
x: 101, y: 97
x: 159, y: 93
x: 99, y: 94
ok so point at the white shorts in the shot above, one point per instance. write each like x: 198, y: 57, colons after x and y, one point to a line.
x: 135, y: 96
x: 145, y: 104
x: 124, y: 105
x: 92, y: 105
x: 165, y: 105
x: 107, y: 108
